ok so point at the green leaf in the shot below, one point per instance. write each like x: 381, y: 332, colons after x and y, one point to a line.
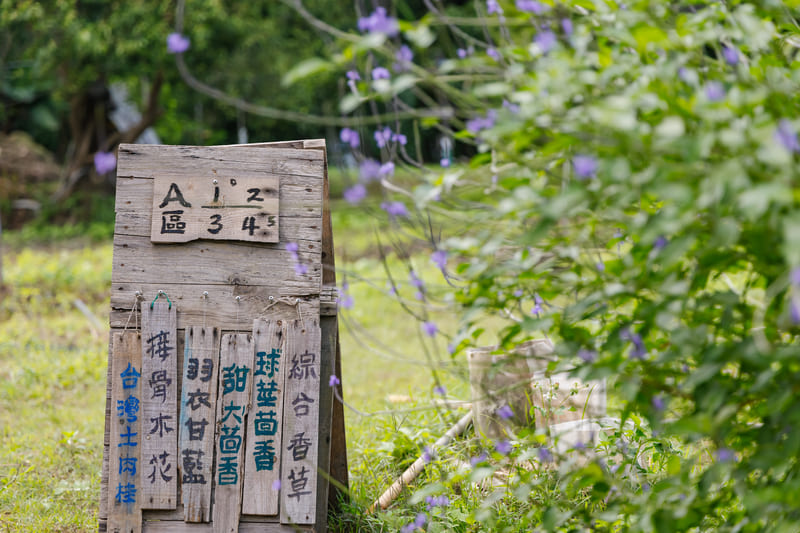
x: 304, y: 69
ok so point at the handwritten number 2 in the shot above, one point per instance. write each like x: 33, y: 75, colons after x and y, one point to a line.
x: 254, y: 195
x: 215, y: 221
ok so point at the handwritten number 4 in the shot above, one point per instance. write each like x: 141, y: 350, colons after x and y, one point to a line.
x: 249, y: 224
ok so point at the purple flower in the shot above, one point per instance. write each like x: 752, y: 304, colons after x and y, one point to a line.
x: 587, y: 356
x: 660, y: 243
x: 419, y: 295
x: 440, y: 390
x: 387, y: 169
x: 421, y: 520
x: 300, y: 269
x: 415, y: 281
x: 683, y: 75
x: 451, y: 348
x: 427, y: 454
x: 731, y: 55
x: 600, y: 266
x: 444, y: 162
x: 378, y: 22
x: 658, y: 403
x: 400, y: 138
x: 430, y: 329
x: 350, y: 137
x: 530, y: 6
x: 493, y: 53
x: 639, y: 350
x: 353, y: 75
x: 104, y: 162
x: 512, y: 108
x: 503, y: 447
x: 355, y: 194
x: 725, y: 455
x: 346, y: 301
x: 566, y: 25
x: 380, y: 73
x: 333, y: 381
x: 585, y: 166
x: 369, y: 170
x: 546, y: 40
x: 475, y: 461
x: 464, y: 53
x: 395, y: 209
x: 478, y: 124
x: 537, y: 304
x: 391, y: 288
x: 786, y: 135
x: 437, y: 501
x: 404, y: 54
x: 177, y: 43
x: 518, y: 293
x: 408, y: 528
x: 382, y: 137
x: 715, y: 91
x: 276, y: 485
x: 794, y: 310
x: 795, y: 277
x: 439, y: 258
x: 292, y: 248
x: 492, y: 7
x: 505, y: 412
x: 544, y: 455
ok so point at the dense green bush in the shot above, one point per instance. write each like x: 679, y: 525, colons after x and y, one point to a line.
x: 635, y: 197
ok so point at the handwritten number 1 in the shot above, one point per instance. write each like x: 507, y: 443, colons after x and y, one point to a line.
x: 215, y: 221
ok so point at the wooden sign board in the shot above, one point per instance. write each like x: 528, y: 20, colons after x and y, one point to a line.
x: 236, y: 428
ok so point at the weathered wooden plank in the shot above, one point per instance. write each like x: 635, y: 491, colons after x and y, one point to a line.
x: 290, y: 228
x: 329, y: 336
x: 262, y: 458
x: 136, y: 259
x: 235, y: 381
x: 301, y: 423
x: 197, y: 410
x: 159, y: 404
x: 244, y: 527
x: 125, y: 465
x: 102, y: 513
x: 221, y: 208
x: 220, y: 307
x: 139, y: 160
x: 298, y: 196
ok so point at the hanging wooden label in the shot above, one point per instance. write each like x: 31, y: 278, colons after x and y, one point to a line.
x: 198, y: 420
x: 300, y: 419
x: 232, y: 208
x: 263, y: 457
x: 159, y: 405
x: 124, y: 476
x: 235, y: 380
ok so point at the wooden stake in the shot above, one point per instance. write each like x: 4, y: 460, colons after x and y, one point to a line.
x: 414, y: 470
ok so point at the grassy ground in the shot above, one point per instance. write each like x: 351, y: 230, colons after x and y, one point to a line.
x: 53, y: 364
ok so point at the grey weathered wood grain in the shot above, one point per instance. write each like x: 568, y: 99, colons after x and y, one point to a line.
x: 244, y: 527
x: 261, y: 497
x: 136, y: 259
x: 137, y: 160
x: 220, y: 308
x: 198, y: 420
x: 125, y: 436
x: 301, y: 428
x: 159, y: 405
x: 235, y: 382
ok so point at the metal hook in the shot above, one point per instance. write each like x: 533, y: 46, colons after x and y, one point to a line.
x: 160, y: 293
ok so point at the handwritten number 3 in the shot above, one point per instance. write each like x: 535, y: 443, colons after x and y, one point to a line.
x: 215, y: 221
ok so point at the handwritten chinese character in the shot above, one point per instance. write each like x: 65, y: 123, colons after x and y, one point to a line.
x: 265, y: 423
x: 266, y: 396
x: 159, y: 463
x: 234, y: 378
x: 228, y: 471
x: 130, y: 377
x: 298, y: 480
x: 303, y: 366
x: 159, y: 383
x: 127, y: 464
x: 301, y: 404
x: 193, y: 460
x: 160, y: 424
x: 230, y: 441
x: 158, y: 345
x: 264, y: 454
x: 197, y: 430
x: 129, y: 407
x: 128, y: 436
x: 198, y: 398
x: 299, y: 446
x: 126, y: 493
x: 267, y: 363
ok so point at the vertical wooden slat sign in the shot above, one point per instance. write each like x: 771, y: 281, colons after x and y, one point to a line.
x: 159, y: 405
x: 263, y: 459
x: 198, y: 420
x: 218, y: 417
